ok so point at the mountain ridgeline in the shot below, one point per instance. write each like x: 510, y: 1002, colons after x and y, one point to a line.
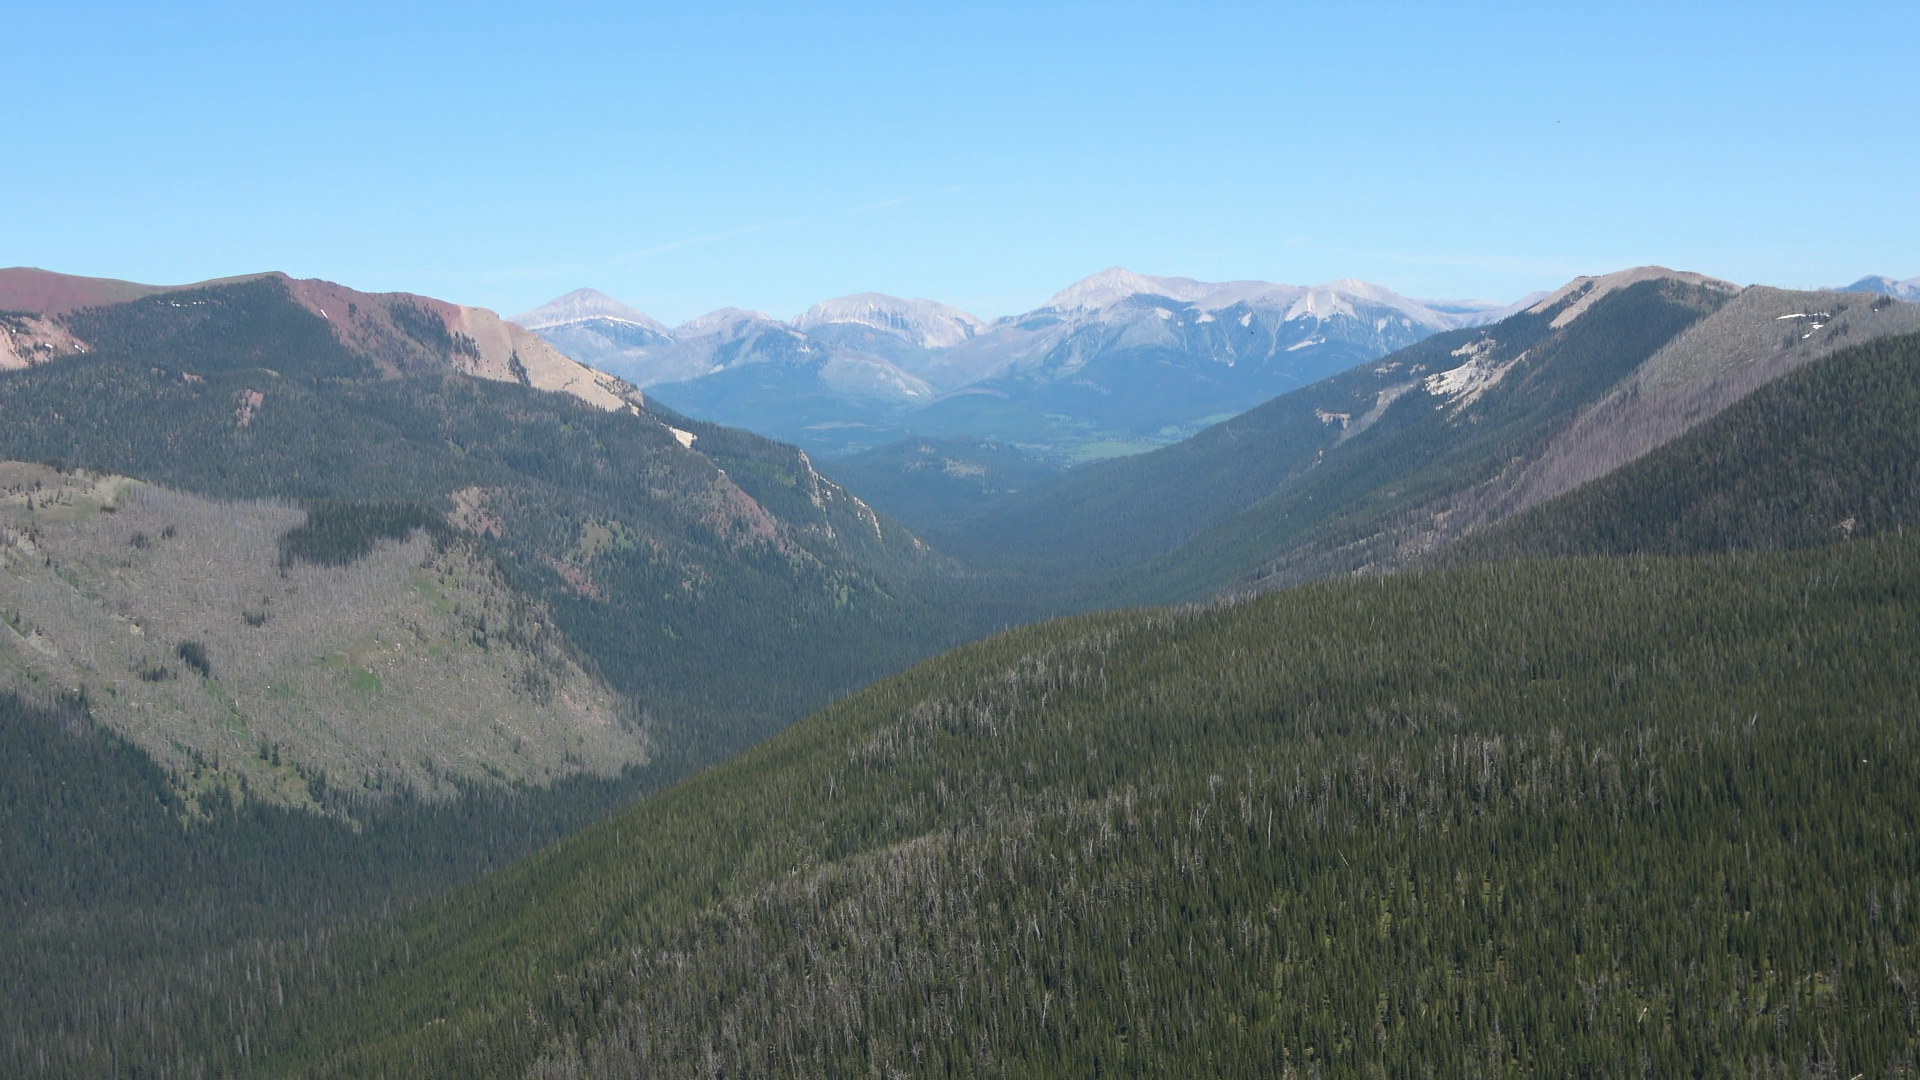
x: 1113, y: 364
x: 1395, y: 460
x: 664, y: 565
x: 1313, y: 470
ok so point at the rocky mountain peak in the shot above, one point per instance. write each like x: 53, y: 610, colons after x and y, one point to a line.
x: 925, y: 324
x: 582, y: 304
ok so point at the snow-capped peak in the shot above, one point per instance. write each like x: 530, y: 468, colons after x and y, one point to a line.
x: 927, y: 324
x: 580, y: 305
x: 725, y: 320
x: 1335, y: 299
x: 1117, y: 283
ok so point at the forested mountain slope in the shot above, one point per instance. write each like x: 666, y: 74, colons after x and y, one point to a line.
x: 135, y: 922
x: 1575, y: 817
x: 712, y: 578
x: 347, y: 619
x: 1830, y: 452
x: 1398, y: 459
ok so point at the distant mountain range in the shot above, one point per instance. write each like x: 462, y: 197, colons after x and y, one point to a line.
x: 1116, y: 362
x: 1381, y: 465
x: 1886, y: 286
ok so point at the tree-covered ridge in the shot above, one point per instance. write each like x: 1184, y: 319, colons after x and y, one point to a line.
x: 1578, y: 817
x: 1829, y: 452
x: 664, y: 565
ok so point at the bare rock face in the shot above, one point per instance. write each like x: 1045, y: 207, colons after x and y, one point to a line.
x: 26, y: 340
x: 405, y: 332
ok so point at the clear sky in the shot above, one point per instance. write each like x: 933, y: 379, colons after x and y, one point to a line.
x: 689, y: 156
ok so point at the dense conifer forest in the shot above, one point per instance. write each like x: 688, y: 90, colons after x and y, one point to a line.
x: 133, y: 933
x: 1573, y: 817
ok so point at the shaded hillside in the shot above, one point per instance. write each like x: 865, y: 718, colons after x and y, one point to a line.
x: 937, y: 483
x: 134, y: 926
x: 1829, y: 452
x: 663, y: 566
x: 1524, y: 817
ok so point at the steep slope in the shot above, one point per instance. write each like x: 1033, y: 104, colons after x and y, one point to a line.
x: 1829, y: 452
x: 131, y: 915
x: 598, y: 330
x: 1323, y: 477
x: 662, y: 563
x: 1757, y: 337
x: 1523, y: 816
x: 883, y: 320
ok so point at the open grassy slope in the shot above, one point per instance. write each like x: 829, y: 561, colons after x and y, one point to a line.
x: 412, y: 665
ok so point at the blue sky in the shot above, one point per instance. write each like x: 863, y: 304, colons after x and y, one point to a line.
x: 687, y: 157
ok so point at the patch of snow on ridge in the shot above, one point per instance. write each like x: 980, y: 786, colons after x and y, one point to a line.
x: 581, y: 305
x: 1117, y: 283
x: 1344, y: 298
